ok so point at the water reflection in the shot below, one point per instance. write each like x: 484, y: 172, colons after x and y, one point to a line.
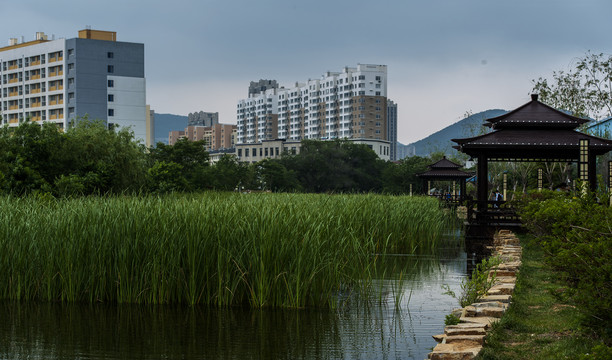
x: 376, y: 328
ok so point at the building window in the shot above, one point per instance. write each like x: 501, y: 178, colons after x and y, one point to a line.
x: 111, y: 83
x: 240, y: 153
x: 110, y: 69
x: 111, y: 97
x: 70, y: 96
x: 246, y: 152
x: 111, y: 112
x: 70, y: 67
x: 110, y: 55
x: 70, y: 52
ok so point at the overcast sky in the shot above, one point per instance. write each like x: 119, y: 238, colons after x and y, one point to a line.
x: 444, y: 57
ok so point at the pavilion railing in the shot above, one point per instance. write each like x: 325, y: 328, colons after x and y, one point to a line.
x: 491, y: 213
x: 449, y: 198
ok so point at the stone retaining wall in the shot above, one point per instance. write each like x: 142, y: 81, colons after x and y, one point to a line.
x: 464, y: 340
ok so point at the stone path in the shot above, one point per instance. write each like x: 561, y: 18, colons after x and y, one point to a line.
x: 464, y: 340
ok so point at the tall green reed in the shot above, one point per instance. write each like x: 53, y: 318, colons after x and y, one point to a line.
x: 217, y: 249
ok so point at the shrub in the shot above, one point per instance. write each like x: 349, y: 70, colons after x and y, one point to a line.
x: 576, y: 234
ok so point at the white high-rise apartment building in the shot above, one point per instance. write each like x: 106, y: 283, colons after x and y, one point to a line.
x: 351, y: 104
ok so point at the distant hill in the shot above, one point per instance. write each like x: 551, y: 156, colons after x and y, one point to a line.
x: 441, y: 140
x: 164, y: 123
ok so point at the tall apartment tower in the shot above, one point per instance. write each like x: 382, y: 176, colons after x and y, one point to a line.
x: 59, y: 80
x: 351, y: 104
x: 392, y: 129
x: 202, y: 118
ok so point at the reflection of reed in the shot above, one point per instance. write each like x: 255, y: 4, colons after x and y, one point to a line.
x: 359, y: 330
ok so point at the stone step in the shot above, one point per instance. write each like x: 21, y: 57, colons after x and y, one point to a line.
x: 501, y: 298
x: 465, y: 326
x: 500, y: 273
x: 499, y: 280
x: 467, y: 331
x: 495, y: 312
x: 465, y: 339
x: 454, y: 352
x: 486, y: 320
x: 439, y: 338
x: 501, y: 289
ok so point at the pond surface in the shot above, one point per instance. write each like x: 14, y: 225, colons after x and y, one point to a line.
x: 397, y: 324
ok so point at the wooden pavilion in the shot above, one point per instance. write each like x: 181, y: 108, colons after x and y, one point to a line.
x: 446, y: 170
x: 533, y: 132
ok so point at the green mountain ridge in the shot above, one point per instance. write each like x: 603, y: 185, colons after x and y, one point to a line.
x: 440, y: 141
x: 164, y: 123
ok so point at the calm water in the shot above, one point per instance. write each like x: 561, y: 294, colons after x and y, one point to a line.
x: 376, y: 328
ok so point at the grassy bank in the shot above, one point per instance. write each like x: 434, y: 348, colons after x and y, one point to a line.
x: 541, y: 323
x: 217, y: 249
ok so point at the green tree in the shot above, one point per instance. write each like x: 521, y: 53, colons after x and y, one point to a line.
x: 105, y: 160
x: 190, y: 155
x: 585, y: 90
x: 167, y: 177
x: 397, y: 177
x: 30, y: 157
x: 274, y: 176
x: 336, y: 166
x: 228, y: 173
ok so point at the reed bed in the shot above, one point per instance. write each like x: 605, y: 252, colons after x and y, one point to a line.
x: 215, y: 249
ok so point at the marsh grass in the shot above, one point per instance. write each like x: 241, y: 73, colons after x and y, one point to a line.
x: 217, y: 249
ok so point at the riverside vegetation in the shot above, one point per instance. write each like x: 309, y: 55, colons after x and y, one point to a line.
x: 563, y: 304
x: 215, y: 249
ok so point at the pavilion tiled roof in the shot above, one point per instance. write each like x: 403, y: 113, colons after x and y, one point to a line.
x: 445, y: 168
x: 532, y: 131
x: 535, y: 114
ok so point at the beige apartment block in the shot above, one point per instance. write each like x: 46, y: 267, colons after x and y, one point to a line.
x: 217, y: 137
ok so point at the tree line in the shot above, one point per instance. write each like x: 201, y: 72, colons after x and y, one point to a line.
x: 90, y: 159
x: 87, y: 158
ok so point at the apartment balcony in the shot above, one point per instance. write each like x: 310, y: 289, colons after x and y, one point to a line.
x: 56, y: 73
x: 54, y: 88
x: 56, y: 116
x: 13, y: 93
x: 13, y: 67
x: 34, y: 77
x: 54, y: 59
x: 12, y: 81
x: 56, y: 102
x: 14, y: 107
x: 35, y: 105
x: 34, y: 91
x: 34, y: 63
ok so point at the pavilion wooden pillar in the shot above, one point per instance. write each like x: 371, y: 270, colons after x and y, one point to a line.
x: 505, y: 186
x: 540, y: 180
x: 584, y: 168
x: 610, y: 180
x: 592, y: 172
x: 462, y: 189
x: 483, y: 183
